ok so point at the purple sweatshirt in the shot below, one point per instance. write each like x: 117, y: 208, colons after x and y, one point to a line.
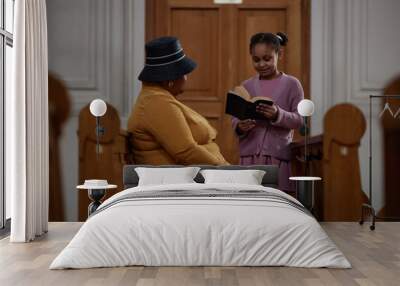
x: 273, y: 138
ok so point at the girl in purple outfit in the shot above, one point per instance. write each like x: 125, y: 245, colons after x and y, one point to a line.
x: 266, y: 142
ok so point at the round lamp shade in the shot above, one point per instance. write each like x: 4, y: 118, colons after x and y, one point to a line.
x: 305, y: 107
x: 98, y: 107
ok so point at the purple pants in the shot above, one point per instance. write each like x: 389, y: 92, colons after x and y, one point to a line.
x: 284, y: 169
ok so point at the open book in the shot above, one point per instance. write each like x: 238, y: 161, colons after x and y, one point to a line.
x: 243, y: 108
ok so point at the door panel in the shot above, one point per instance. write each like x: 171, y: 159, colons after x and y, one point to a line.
x: 196, y: 29
x: 250, y: 21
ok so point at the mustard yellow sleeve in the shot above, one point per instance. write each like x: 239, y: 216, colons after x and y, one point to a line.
x: 166, y: 122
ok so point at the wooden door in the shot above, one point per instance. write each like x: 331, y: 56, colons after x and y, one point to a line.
x: 217, y: 38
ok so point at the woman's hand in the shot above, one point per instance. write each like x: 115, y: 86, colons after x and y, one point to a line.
x: 246, y: 125
x: 269, y: 111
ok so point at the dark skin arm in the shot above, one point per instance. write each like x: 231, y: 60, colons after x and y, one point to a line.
x: 269, y: 111
x: 245, y: 126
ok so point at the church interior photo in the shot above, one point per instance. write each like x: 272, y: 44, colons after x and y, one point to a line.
x: 199, y: 142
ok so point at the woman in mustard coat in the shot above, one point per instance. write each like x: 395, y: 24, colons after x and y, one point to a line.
x: 164, y: 130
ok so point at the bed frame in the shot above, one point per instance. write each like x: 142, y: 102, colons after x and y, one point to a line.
x: 270, y: 179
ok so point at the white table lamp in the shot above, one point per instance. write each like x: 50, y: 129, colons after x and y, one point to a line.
x: 305, y: 109
x: 98, y: 108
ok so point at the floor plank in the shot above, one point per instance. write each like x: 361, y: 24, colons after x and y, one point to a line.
x: 375, y: 257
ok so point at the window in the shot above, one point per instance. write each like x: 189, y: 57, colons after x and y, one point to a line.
x: 6, y: 64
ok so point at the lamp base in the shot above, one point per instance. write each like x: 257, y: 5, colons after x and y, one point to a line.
x: 95, y: 195
x: 372, y: 213
x: 305, y: 193
x: 368, y: 207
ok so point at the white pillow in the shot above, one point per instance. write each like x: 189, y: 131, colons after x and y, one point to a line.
x: 164, y: 176
x: 248, y: 177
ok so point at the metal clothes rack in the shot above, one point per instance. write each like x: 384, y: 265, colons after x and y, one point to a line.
x: 368, y: 206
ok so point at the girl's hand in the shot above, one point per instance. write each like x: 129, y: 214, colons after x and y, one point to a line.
x: 269, y: 111
x: 246, y: 125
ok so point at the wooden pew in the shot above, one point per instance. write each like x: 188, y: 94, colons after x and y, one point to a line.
x: 114, y: 153
x: 59, y: 110
x: 391, y: 147
x: 334, y: 157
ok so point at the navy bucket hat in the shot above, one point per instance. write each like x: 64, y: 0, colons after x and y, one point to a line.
x: 165, y: 60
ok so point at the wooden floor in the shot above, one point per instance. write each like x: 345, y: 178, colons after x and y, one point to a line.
x: 375, y: 257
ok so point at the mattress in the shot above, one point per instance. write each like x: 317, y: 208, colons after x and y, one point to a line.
x: 201, y: 225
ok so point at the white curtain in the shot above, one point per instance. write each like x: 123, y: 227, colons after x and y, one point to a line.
x: 27, y: 161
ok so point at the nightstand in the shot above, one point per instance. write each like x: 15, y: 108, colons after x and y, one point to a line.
x: 305, y: 188
x: 96, y: 191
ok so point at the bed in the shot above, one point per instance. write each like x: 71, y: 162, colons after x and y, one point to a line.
x: 198, y: 224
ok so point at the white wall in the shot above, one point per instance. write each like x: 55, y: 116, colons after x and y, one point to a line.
x: 97, y: 48
x: 355, y: 47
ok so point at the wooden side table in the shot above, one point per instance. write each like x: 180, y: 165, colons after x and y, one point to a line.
x: 305, y: 190
x: 96, y: 194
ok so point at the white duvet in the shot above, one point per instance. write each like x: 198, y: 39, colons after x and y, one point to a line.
x: 200, y: 231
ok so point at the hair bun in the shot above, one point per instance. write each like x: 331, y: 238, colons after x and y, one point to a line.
x: 283, y: 39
